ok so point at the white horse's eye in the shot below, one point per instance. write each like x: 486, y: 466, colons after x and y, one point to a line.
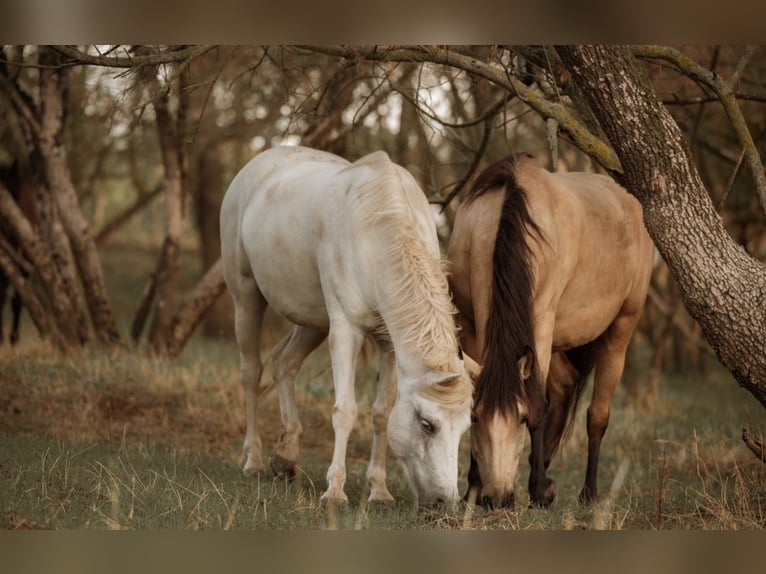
x: 427, y: 426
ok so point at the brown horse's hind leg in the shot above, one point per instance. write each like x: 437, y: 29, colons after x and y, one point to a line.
x: 473, y: 493
x: 560, y: 387
x: 610, y: 362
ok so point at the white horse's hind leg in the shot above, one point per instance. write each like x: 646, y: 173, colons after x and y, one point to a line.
x: 249, y: 310
x: 381, y: 408
x: 345, y: 344
x: 301, y: 342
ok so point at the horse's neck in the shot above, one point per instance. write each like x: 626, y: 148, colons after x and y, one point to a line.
x: 422, y: 337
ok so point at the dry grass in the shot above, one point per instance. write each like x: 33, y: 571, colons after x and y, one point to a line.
x: 120, y: 440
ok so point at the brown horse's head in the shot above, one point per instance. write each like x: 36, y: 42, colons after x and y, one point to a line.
x: 497, y: 439
x: 509, y: 394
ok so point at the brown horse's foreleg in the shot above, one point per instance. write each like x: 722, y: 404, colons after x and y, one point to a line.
x: 541, y: 489
x: 473, y: 492
x: 610, y: 362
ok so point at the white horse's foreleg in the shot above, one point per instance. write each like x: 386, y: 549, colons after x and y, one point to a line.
x: 381, y: 408
x: 250, y: 306
x: 301, y: 342
x: 345, y: 344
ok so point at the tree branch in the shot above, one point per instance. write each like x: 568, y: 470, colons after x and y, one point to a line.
x: 77, y: 57
x: 579, y: 134
x: 726, y: 95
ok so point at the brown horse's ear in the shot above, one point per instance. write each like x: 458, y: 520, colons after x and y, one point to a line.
x: 472, y: 367
x: 526, y: 363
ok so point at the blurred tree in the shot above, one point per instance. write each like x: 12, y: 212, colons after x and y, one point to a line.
x: 443, y: 112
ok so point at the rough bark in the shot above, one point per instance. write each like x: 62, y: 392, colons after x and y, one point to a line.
x: 167, y: 273
x: 37, y: 312
x: 723, y: 288
x: 37, y: 253
x: 60, y: 183
x: 52, y: 233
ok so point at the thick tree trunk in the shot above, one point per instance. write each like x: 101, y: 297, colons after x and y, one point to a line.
x: 722, y: 287
x: 37, y: 252
x: 52, y: 232
x: 52, y: 86
x: 45, y: 328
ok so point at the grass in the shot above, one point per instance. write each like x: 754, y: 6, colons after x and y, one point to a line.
x: 120, y: 440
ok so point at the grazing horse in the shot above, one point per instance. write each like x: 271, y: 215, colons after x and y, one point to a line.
x: 349, y: 251
x: 549, y: 272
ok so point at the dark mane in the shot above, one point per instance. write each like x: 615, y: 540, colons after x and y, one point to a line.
x: 509, y: 327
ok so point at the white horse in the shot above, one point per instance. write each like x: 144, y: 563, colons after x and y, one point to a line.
x: 349, y: 250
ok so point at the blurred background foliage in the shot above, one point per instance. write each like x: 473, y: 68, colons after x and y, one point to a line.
x: 443, y: 124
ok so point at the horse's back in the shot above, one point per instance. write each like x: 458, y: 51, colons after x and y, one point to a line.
x: 290, y: 222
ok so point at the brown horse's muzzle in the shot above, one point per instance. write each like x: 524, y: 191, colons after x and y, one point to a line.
x: 506, y: 500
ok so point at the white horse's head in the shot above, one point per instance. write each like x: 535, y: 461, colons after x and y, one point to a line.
x: 424, y: 430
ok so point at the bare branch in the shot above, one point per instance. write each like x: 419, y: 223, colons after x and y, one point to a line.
x: 167, y: 56
x: 725, y: 92
x: 745, y: 96
x: 472, y: 168
x: 194, y: 307
x: 578, y: 133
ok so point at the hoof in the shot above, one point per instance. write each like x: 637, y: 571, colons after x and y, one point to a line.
x: 282, y: 467
x: 587, y: 497
x: 336, y: 500
x: 252, y: 470
x: 381, y: 503
x: 472, y: 496
x: 547, y: 497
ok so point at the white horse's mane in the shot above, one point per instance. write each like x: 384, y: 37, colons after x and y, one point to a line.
x: 420, y: 307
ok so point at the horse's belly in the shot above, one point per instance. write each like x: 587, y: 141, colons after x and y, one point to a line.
x: 583, y: 321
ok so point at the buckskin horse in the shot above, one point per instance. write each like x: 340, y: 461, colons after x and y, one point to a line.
x: 349, y: 251
x: 549, y: 272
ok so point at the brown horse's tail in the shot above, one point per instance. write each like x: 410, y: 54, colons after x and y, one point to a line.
x: 582, y: 359
x: 509, y: 333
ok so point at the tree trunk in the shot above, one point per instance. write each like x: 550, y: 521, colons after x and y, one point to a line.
x: 722, y: 287
x: 58, y: 176
x: 167, y: 275
x: 37, y: 252
x: 194, y: 308
x: 45, y: 328
x: 209, y: 190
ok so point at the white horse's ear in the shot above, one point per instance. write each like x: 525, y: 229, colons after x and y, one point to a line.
x: 525, y: 364
x: 471, y: 366
x: 437, y: 378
